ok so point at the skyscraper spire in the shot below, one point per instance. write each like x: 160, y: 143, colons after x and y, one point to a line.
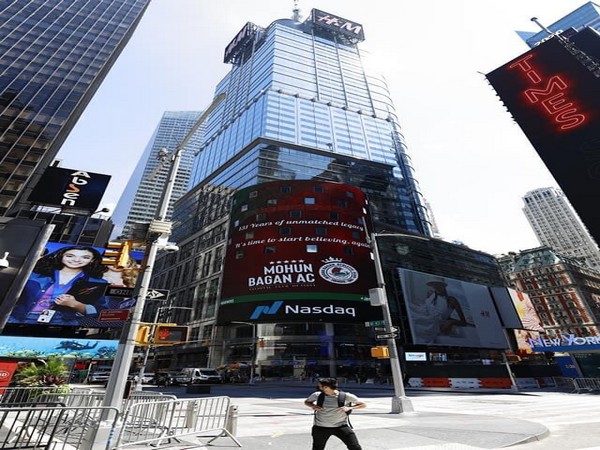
x: 296, y: 11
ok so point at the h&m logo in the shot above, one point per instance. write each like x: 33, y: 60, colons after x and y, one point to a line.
x: 266, y: 310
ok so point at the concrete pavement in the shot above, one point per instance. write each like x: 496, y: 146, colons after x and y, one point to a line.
x: 272, y: 416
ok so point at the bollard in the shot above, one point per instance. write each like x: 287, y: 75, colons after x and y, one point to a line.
x: 232, y: 417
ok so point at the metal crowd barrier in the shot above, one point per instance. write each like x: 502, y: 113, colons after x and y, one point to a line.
x: 587, y: 384
x: 50, y: 426
x: 158, y: 421
x: 564, y: 382
x: 24, y: 394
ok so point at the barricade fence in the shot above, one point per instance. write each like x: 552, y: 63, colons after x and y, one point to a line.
x: 51, y: 426
x: 587, y: 384
x: 158, y: 421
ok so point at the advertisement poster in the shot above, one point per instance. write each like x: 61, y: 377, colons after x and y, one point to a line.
x: 30, y: 347
x: 68, y: 288
x: 449, y: 312
x: 297, y: 251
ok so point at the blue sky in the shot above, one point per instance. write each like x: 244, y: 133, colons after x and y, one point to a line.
x: 472, y: 161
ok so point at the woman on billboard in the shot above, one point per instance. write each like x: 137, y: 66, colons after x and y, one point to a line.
x: 65, y: 285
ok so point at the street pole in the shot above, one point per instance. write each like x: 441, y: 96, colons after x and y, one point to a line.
x: 400, y: 402
x: 252, y: 348
x: 142, y: 370
x: 122, y: 362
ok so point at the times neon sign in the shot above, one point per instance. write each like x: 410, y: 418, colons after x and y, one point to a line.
x: 551, y: 94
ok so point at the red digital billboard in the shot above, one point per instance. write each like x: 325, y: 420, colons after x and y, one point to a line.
x: 70, y: 189
x: 297, y: 252
x: 553, y: 94
x: 68, y: 287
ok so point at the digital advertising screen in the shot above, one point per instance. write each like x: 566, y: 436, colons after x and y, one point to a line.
x: 554, y: 97
x: 448, y: 312
x: 506, y: 308
x: 68, y: 287
x: 526, y: 311
x: 297, y: 252
x: 69, y: 188
x: 32, y: 347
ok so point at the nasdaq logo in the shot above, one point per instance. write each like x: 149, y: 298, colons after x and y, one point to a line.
x: 266, y: 310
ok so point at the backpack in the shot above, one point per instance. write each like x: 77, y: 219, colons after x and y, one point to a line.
x: 341, y: 402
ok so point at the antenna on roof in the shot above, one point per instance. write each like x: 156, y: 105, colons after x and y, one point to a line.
x: 296, y: 11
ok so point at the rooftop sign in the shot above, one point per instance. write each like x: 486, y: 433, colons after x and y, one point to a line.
x: 351, y: 30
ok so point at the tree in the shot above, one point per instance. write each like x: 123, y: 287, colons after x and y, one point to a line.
x: 52, y: 372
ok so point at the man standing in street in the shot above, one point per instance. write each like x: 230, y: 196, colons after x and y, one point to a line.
x: 331, y: 408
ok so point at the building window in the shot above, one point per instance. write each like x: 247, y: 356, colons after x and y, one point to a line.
x: 348, y: 251
x: 285, y: 189
x: 285, y: 231
x: 356, y: 235
x: 249, y: 234
x: 272, y: 202
x: 239, y: 254
x: 318, y: 189
x: 312, y: 248
x: 333, y: 215
x: 270, y: 249
x: 309, y: 200
x: 349, y: 194
x: 261, y: 217
x: 295, y: 213
x: 321, y: 231
x: 253, y: 194
x: 342, y: 203
x: 244, y: 208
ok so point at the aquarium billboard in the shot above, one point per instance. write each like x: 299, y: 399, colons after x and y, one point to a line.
x: 32, y: 347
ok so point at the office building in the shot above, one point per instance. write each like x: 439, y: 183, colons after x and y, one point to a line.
x: 301, y: 104
x: 587, y: 15
x: 556, y: 225
x: 53, y: 56
x: 565, y: 294
x: 141, y: 197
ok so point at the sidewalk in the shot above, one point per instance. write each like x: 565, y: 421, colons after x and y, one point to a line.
x: 269, y: 421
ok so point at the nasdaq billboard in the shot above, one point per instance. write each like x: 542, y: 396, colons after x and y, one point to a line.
x: 297, y: 251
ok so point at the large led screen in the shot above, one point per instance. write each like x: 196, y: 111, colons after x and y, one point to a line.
x: 68, y: 285
x: 526, y: 311
x: 448, y: 312
x: 70, y: 188
x: 297, y: 252
x: 555, y: 99
x: 30, y: 347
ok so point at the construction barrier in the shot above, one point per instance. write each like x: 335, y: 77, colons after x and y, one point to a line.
x: 159, y: 421
x: 460, y: 383
x: 51, y: 426
x: 587, y: 384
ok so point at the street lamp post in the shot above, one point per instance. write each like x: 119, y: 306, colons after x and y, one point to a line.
x: 400, y: 402
x: 162, y: 228
x: 253, y: 348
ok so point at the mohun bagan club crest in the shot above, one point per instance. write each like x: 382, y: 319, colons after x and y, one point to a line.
x: 335, y: 271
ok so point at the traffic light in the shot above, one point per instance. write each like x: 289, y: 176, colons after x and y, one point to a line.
x: 117, y: 254
x: 380, y: 352
x: 170, y: 334
x: 142, y: 335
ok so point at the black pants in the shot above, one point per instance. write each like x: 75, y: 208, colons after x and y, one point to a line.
x: 320, y: 436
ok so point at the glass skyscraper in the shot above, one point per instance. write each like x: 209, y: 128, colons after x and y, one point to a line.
x: 53, y: 56
x: 300, y: 105
x: 587, y: 15
x: 141, y: 197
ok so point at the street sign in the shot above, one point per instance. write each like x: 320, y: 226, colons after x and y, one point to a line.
x: 124, y: 292
x: 157, y: 294
x: 386, y: 336
x: 113, y: 315
x: 393, y: 329
x: 375, y: 323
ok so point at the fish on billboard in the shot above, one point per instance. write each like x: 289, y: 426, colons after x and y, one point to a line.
x: 30, y: 347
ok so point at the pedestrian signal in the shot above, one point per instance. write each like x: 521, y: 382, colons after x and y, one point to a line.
x: 170, y: 334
